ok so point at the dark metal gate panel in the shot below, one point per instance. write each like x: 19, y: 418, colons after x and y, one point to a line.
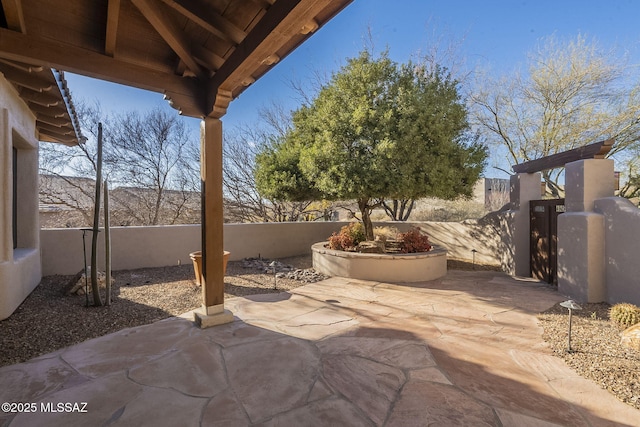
x: 544, y: 238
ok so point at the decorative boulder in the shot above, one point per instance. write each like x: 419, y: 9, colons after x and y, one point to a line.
x: 631, y: 337
x: 77, y: 283
x: 369, y: 247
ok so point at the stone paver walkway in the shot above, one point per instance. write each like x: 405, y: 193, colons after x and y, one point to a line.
x: 462, y: 350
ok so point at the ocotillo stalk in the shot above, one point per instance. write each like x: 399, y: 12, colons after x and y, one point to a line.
x: 107, y: 244
x: 96, y: 224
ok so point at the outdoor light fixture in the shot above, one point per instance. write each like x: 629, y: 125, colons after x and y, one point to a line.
x: 473, y: 251
x: 570, y: 305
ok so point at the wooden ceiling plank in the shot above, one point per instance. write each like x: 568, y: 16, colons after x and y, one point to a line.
x: 29, y: 80
x: 170, y: 33
x: 14, y: 16
x: 113, y: 12
x: 208, y: 19
x: 46, y: 52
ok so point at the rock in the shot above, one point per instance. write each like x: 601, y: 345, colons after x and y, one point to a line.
x: 283, y: 271
x: 369, y: 247
x: 78, y: 284
x: 631, y: 337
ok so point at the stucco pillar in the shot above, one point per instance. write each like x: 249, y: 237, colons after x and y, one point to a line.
x: 524, y: 188
x: 212, y: 311
x: 581, y: 234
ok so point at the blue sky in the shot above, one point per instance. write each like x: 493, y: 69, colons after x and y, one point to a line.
x: 496, y: 34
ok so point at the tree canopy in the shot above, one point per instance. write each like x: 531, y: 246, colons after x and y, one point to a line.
x: 376, y: 130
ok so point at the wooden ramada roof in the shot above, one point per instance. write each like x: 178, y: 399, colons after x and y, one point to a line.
x: 200, y: 54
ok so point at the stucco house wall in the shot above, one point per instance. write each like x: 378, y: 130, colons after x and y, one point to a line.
x: 20, y: 268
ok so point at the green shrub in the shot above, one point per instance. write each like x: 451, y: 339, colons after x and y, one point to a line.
x: 624, y: 314
x: 414, y: 241
x: 348, y: 237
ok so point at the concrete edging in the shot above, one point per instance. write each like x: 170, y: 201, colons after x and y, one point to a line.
x: 418, y: 267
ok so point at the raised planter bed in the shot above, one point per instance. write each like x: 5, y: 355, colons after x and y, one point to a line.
x: 418, y: 267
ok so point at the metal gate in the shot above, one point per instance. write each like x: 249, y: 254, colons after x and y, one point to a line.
x: 544, y: 238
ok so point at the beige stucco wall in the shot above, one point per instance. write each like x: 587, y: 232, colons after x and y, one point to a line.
x: 621, y: 243
x: 20, y: 269
x: 136, y: 247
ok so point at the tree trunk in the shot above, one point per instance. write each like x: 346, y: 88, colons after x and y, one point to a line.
x: 96, y: 225
x: 406, y: 210
x: 365, y: 211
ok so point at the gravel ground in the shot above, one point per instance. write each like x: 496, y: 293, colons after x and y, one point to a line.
x: 596, y: 350
x: 49, y: 319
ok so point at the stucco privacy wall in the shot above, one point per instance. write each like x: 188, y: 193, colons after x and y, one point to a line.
x: 622, y: 237
x: 136, y: 247
x: 20, y: 270
x: 581, y: 232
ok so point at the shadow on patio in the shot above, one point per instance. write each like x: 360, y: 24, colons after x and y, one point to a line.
x: 463, y: 350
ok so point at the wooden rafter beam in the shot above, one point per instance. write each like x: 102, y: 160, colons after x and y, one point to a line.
x: 208, y: 19
x: 53, y: 121
x: 14, y: 16
x: 113, y: 13
x: 40, y: 98
x: 52, y: 54
x: 207, y: 58
x: 597, y: 150
x: 28, y: 68
x: 175, y: 38
x: 29, y: 80
x: 46, y: 135
x: 282, y: 22
x: 55, y: 111
x: 55, y: 130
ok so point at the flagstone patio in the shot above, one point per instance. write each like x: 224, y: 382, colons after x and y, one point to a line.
x: 462, y: 350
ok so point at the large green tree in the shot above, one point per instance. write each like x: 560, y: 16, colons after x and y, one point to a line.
x: 376, y: 130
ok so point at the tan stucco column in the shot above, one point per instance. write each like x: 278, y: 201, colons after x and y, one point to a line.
x: 524, y: 187
x: 212, y: 311
x: 581, y: 248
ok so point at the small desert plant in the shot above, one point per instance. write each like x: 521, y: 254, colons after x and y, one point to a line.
x: 414, y: 241
x: 625, y: 314
x: 348, y: 237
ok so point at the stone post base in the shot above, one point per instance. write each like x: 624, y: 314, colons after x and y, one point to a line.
x: 206, y: 317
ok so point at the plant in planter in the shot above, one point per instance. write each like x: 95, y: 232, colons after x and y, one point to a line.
x: 414, y: 241
x: 348, y: 238
x: 352, y: 238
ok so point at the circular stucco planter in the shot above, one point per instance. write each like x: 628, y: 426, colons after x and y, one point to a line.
x: 418, y: 267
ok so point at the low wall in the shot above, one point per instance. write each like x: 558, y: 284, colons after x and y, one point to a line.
x: 157, y: 246
x: 621, y: 237
x: 138, y: 247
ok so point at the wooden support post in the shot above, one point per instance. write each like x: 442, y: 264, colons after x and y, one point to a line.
x: 212, y: 312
